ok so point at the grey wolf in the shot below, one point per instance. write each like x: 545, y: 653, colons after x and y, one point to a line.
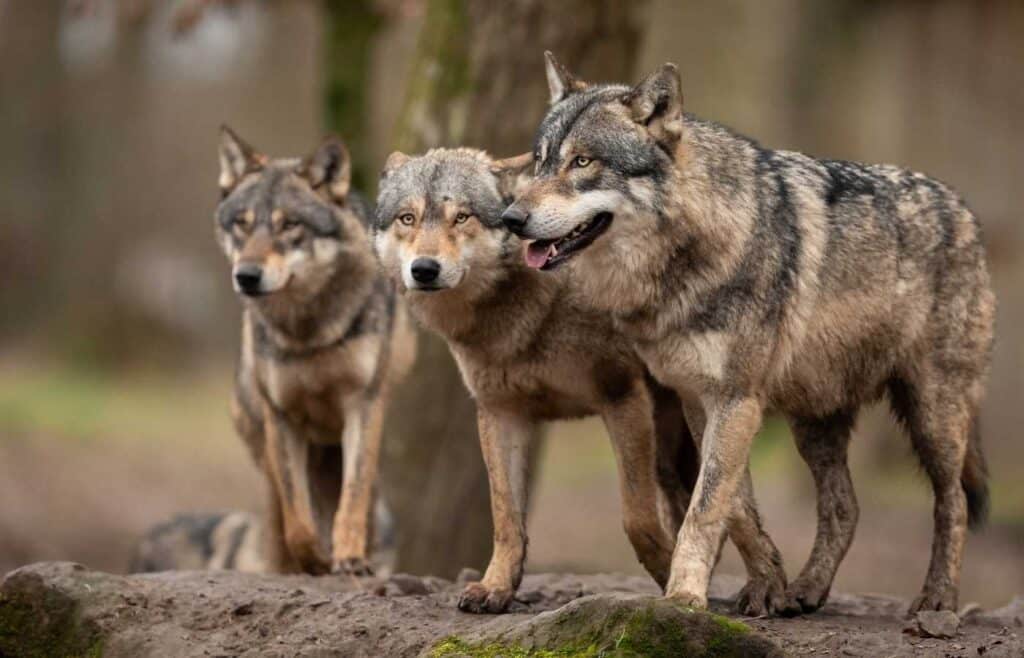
x: 751, y: 279
x: 199, y: 542
x: 324, y: 341
x: 221, y: 541
x: 529, y: 352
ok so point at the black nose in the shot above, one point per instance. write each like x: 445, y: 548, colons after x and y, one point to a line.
x: 425, y: 270
x: 515, y: 218
x: 248, y: 278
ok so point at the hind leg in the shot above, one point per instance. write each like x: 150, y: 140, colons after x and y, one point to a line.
x: 938, y: 419
x: 822, y: 442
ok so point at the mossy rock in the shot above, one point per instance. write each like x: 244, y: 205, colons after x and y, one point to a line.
x: 38, y: 621
x: 614, y: 625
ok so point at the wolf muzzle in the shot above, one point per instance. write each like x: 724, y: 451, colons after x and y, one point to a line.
x: 515, y: 219
x: 425, y: 270
x: 248, y: 277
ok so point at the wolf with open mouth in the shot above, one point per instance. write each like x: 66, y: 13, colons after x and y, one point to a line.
x: 529, y: 353
x: 751, y: 279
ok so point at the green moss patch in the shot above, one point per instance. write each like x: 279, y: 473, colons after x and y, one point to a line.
x: 616, y: 627
x: 40, y: 622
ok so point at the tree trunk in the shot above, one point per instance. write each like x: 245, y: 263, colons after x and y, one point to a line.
x: 350, y: 27
x: 478, y: 80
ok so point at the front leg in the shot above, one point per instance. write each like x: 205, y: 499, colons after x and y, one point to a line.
x: 505, y: 442
x: 631, y: 426
x: 361, y: 439
x: 287, y: 465
x: 725, y: 450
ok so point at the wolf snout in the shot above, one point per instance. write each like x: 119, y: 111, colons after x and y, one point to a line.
x: 515, y: 219
x: 425, y: 270
x: 248, y: 277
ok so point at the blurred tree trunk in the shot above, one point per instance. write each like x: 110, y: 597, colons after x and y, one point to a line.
x: 478, y: 80
x: 350, y: 27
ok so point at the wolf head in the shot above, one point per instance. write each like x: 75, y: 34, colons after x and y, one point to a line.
x: 603, y: 156
x: 439, y: 222
x: 282, y: 222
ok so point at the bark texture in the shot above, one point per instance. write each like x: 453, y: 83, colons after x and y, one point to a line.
x: 479, y: 81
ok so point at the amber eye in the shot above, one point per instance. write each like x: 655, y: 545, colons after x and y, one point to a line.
x: 581, y: 161
x: 406, y: 218
x: 462, y: 218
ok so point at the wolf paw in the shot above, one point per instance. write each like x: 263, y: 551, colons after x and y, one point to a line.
x: 689, y: 599
x: 761, y: 596
x: 804, y: 596
x: 478, y: 599
x: 352, y: 566
x: 930, y: 599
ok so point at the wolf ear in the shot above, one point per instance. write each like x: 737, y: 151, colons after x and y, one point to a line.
x: 561, y: 83
x: 513, y: 175
x: 394, y: 161
x: 657, y: 103
x: 236, y: 160
x: 330, y: 168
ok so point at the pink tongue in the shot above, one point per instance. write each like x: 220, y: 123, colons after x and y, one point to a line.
x: 537, y: 254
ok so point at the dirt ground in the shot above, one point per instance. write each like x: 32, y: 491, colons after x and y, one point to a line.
x: 233, y: 614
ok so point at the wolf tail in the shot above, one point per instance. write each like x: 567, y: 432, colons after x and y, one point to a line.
x: 974, y: 478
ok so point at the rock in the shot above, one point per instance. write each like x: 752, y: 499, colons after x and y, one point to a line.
x: 943, y: 624
x: 66, y: 610
x: 616, y: 625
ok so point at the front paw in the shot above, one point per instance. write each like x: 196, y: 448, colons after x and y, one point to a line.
x: 805, y: 596
x: 762, y: 595
x: 478, y: 599
x: 937, y: 598
x: 352, y: 566
x: 695, y: 600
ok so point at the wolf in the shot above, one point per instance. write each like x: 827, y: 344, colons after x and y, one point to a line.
x: 213, y: 541
x: 226, y: 541
x: 752, y: 279
x: 325, y: 339
x: 529, y: 351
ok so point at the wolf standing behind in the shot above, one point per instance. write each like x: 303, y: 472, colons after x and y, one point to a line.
x: 324, y: 341
x: 751, y: 279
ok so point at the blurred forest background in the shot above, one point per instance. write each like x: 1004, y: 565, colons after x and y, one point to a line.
x: 118, y: 327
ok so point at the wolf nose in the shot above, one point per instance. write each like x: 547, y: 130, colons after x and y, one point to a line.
x: 248, y: 278
x: 515, y: 219
x: 425, y: 270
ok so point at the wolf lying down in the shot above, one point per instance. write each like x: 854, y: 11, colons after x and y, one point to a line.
x: 751, y: 280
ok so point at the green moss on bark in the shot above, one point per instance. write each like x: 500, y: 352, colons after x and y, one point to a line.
x: 349, y: 29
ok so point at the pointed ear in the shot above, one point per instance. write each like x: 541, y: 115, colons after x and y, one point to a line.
x: 513, y: 175
x: 394, y: 161
x: 236, y: 160
x: 657, y: 103
x: 561, y: 83
x: 329, y: 169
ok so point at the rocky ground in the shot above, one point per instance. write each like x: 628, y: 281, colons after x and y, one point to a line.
x: 63, y: 609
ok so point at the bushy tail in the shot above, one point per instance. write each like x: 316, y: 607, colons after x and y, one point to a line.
x: 974, y: 479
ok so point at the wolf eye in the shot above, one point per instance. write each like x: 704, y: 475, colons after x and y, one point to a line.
x: 462, y: 218
x: 581, y: 161
x: 406, y: 218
